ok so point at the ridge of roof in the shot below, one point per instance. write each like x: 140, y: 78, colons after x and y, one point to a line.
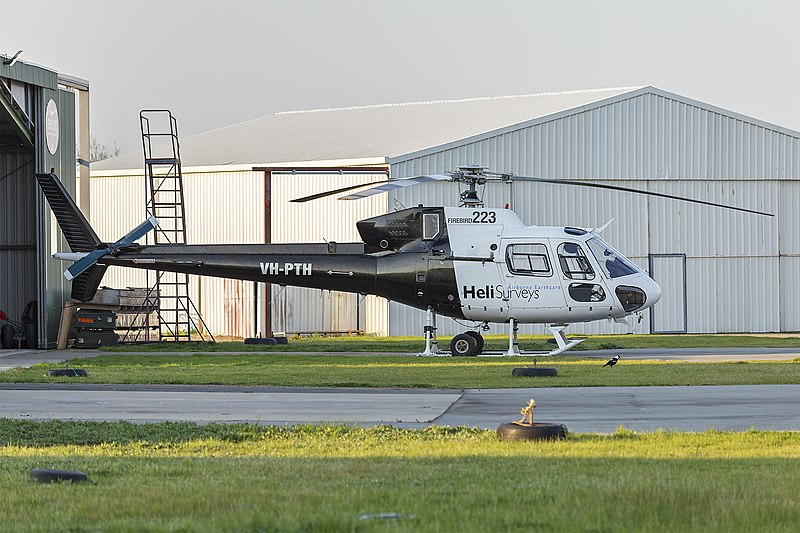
x: 454, y: 101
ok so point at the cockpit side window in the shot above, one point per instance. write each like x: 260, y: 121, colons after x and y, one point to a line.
x: 528, y: 260
x: 613, y: 263
x: 430, y: 226
x: 573, y: 261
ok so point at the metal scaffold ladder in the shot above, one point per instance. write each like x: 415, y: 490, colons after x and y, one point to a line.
x: 178, y: 318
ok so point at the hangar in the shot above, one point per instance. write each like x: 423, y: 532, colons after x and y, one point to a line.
x: 721, y: 271
x: 38, y: 119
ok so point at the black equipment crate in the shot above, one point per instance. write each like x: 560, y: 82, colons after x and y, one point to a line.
x: 94, y: 319
x: 87, y: 338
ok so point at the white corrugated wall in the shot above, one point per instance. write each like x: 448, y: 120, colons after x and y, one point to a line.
x: 741, y: 269
x: 221, y: 207
x: 327, y: 219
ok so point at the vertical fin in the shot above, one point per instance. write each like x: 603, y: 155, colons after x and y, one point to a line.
x: 79, y: 234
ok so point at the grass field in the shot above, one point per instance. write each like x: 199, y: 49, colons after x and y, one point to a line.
x: 246, y: 478
x: 365, y: 343
x: 401, y: 371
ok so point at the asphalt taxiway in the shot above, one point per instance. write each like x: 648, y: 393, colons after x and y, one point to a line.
x: 581, y: 409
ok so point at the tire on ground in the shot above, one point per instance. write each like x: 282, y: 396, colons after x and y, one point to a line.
x: 7, y: 339
x: 266, y: 341
x: 534, y: 371
x: 538, y: 431
x: 48, y: 475
x: 463, y: 344
x: 31, y: 340
x: 478, y: 341
x: 68, y: 372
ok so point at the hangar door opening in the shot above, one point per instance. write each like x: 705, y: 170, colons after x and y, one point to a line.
x: 669, y: 314
x: 17, y: 199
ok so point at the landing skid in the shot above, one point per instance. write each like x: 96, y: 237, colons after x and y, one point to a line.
x: 557, y: 330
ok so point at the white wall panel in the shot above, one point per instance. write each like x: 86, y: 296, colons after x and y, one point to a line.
x: 669, y: 314
x: 324, y: 220
x: 224, y: 207
x: 728, y: 295
x: 790, y: 293
x: 789, y: 217
x: 227, y: 306
x: 118, y: 205
x: 703, y: 231
x: 221, y: 207
x: 300, y: 310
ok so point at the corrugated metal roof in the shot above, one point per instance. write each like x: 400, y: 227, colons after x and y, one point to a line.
x: 29, y: 73
x: 364, y: 132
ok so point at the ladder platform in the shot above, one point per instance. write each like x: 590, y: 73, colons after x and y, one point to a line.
x: 162, y: 161
x: 165, y: 183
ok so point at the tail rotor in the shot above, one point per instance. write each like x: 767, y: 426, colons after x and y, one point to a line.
x: 88, y: 260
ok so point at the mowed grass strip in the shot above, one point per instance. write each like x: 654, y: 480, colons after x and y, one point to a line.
x: 161, y: 477
x: 367, y: 343
x: 259, y: 369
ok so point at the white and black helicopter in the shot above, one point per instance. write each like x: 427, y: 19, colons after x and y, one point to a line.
x: 470, y: 262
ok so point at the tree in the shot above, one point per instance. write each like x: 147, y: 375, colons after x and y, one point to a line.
x: 98, y: 151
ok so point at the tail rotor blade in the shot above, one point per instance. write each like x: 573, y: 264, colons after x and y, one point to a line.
x: 85, y: 263
x: 137, y: 233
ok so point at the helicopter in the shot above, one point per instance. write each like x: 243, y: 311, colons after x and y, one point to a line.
x: 470, y: 262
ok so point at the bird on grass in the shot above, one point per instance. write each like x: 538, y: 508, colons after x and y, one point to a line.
x: 612, y: 361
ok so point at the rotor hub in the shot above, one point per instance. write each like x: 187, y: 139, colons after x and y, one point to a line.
x: 469, y: 198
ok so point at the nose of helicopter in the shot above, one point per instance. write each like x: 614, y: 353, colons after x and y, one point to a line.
x: 652, y: 290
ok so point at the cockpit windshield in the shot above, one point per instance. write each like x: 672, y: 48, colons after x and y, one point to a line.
x: 613, y: 263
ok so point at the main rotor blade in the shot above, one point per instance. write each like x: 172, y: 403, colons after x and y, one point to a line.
x: 636, y: 191
x: 335, y: 191
x: 383, y: 186
x: 396, y: 184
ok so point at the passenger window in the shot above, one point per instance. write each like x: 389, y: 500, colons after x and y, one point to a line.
x: 573, y: 261
x: 586, y: 292
x: 430, y: 226
x: 528, y: 259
